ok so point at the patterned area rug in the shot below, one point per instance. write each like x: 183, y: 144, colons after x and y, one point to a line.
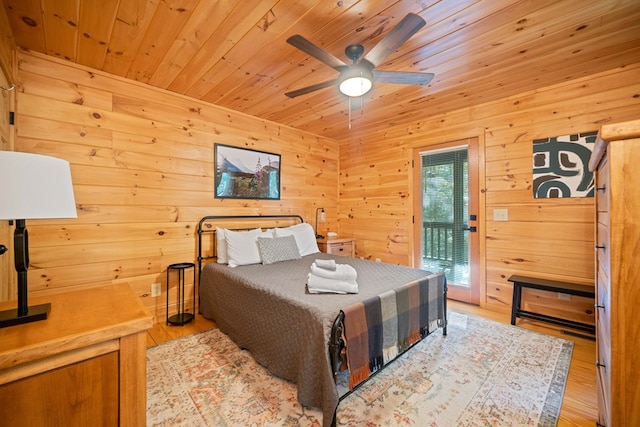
x: 482, y: 373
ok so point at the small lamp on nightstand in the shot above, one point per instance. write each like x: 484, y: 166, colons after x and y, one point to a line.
x: 32, y: 186
x: 323, y: 218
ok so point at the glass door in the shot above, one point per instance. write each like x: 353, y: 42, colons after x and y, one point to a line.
x: 448, y: 218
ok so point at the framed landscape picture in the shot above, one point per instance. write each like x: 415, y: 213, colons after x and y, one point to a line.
x: 241, y: 173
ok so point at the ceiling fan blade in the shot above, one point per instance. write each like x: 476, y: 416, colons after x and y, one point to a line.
x: 317, y: 52
x: 402, y: 32
x: 402, y: 77
x: 311, y: 88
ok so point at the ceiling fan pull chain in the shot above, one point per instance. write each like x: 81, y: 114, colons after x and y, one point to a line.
x: 349, y: 112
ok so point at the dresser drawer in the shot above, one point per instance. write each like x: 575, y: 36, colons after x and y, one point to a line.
x: 603, y: 376
x: 603, y: 409
x: 603, y: 248
x: 603, y: 186
x: 603, y: 309
x: 345, y: 249
x: 338, y: 246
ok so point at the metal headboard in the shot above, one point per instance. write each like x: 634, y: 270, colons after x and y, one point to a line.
x: 202, y: 231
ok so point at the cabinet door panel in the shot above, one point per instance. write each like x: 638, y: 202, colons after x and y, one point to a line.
x: 81, y: 394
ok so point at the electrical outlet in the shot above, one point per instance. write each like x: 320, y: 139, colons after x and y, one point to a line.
x: 155, y: 290
x: 501, y: 214
x: 564, y: 297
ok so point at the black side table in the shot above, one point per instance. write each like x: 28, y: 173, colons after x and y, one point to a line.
x: 181, y: 317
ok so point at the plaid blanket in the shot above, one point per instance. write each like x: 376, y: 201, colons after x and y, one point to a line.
x: 380, y: 328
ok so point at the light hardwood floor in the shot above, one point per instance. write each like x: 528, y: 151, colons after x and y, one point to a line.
x: 579, y: 407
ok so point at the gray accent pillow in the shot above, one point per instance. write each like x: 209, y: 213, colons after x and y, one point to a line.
x: 278, y: 249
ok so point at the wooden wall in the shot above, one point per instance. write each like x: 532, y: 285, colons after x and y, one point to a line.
x: 142, y: 166
x: 7, y: 47
x: 7, y: 99
x: 549, y: 238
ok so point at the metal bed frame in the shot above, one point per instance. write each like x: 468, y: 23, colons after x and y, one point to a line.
x: 202, y: 233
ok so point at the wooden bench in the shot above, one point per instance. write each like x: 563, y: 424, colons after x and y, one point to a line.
x: 520, y: 282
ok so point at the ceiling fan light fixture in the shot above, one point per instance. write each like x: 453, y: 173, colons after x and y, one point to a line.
x: 355, y: 81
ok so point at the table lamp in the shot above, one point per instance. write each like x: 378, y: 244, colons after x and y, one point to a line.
x: 323, y: 218
x: 32, y: 186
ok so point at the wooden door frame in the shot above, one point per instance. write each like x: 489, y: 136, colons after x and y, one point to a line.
x: 476, y: 206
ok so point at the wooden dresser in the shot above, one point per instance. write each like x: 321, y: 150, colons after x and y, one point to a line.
x: 338, y: 246
x: 616, y: 161
x: 84, y: 365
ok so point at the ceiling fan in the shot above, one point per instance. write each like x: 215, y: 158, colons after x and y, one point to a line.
x: 357, y: 79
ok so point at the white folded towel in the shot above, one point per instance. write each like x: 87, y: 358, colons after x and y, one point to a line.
x: 317, y: 285
x: 327, y: 264
x: 343, y: 272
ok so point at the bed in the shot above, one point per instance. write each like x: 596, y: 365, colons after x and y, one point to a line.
x: 307, y: 338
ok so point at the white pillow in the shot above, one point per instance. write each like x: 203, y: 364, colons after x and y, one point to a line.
x: 242, y: 246
x: 304, y: 235
x: 221, y: 245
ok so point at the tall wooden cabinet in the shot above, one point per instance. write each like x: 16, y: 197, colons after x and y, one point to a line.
x: 83, y: 366
x: 616, y: 162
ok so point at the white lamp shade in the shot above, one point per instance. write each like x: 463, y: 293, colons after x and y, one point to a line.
x: 33, y: 186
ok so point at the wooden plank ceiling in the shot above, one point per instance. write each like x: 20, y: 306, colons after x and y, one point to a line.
x: 234, y: 52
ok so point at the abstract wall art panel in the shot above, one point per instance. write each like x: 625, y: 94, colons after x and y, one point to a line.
x: 560, y: 166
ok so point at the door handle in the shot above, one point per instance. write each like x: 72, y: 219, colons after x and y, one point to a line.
x: 472, y: 229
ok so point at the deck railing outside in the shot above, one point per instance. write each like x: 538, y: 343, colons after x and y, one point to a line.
x: 438, y: 243
x: 446, y: 248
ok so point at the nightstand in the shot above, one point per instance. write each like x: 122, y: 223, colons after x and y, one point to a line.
x: 338, y: 246
x: 86, y: 362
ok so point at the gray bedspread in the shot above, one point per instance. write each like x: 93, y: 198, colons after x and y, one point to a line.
x: 267, y: 310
